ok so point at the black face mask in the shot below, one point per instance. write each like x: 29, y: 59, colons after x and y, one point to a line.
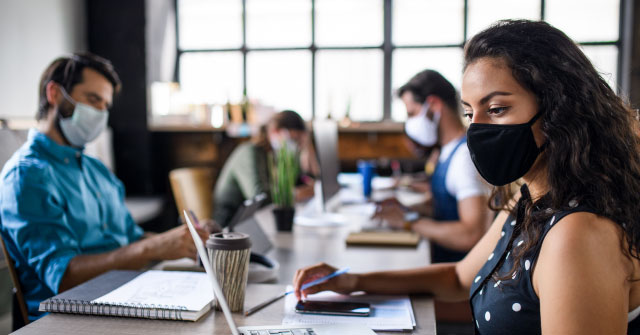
x: 503, y: 153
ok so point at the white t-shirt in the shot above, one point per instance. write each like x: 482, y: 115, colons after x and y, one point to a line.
x: 462, y: 179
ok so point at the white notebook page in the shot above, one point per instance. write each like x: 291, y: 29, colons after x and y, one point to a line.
x: 191, y: 290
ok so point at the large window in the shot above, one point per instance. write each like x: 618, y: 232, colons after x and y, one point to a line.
x: 331, y: 57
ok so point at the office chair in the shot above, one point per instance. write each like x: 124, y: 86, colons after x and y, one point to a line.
x: 11, y: 140
x: 19, y: 304
x: 193, y: 190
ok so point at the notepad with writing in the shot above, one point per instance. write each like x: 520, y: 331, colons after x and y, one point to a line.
x: 384, y: 238
x: 173, y: 295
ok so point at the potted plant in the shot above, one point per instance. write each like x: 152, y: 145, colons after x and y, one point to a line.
x: 284, y: 168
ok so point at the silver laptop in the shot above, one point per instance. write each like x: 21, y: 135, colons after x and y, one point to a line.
x: 325, y: 134
x: 322, y: 209
x: 267, y: 330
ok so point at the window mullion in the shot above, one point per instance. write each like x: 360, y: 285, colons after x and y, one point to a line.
x: 388, y: 50
x: 176, y: 67
x: 244, y: 47
x: 312, y: 48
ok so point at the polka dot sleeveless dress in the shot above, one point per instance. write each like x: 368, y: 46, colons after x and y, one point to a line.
x: 511, y: 306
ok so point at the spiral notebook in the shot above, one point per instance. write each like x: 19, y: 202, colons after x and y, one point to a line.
x: 173, y: 295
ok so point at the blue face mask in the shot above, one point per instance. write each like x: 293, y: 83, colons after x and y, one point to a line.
x: 85, y: 124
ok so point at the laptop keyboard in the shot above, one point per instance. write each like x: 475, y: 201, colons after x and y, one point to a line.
x: 298, y: 331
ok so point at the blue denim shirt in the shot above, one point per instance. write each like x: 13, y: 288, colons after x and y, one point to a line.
x: 56, y: 203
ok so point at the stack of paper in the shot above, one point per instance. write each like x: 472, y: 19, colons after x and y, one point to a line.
x: 388, y: 312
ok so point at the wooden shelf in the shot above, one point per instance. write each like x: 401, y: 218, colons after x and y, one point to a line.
x: 354, y: 127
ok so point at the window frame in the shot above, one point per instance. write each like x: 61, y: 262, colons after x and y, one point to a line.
x: 623, y: 45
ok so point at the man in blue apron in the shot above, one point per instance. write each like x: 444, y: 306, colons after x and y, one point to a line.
x: 457, y: 215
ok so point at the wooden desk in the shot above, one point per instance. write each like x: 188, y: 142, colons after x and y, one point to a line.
x: 310, y: 245
x: 302, y: 247
x: 212, y: 323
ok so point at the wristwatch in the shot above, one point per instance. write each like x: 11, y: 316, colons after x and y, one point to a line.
x: 409, y: 219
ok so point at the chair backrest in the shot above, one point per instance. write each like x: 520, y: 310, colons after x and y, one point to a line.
x: 11, y: 140
x: 193, y: 190
x: 17, y: 288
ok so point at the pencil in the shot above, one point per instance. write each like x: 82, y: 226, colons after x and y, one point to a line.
x: 264, y: 304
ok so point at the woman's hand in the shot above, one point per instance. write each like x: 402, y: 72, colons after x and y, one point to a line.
x: 344, y: 283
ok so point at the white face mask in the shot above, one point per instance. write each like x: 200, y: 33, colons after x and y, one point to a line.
x: 278, y: 141
x: 422, y: 129
x: 85, y: 124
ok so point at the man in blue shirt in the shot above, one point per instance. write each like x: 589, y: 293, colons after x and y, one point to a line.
x: 62, y: 213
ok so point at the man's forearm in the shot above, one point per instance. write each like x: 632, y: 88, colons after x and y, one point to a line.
x: 424, y: 208
x: 84, y: 267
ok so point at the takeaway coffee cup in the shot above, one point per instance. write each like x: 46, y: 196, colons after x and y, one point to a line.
x: 229, y: 255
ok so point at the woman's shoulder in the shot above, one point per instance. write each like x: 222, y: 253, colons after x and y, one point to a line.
x: 582, y: 271
x: 577, y: 228
x: 584, y: 240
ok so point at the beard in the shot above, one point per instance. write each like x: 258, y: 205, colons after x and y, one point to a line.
x: 418, y: 150
x: 64, y: 111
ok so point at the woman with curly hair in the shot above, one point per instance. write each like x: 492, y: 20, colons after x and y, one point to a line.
x: 562, y: 255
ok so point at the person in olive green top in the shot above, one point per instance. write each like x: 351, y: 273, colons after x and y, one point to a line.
x: 246, y: 172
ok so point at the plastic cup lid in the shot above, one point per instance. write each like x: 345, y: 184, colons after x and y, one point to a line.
x: 229, y: 241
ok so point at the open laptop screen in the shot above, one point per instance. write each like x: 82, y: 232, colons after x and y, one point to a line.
x: 325, y: 135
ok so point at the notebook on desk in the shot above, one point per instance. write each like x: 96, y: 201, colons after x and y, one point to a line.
x: 384, y: 238
x: 172, y: 295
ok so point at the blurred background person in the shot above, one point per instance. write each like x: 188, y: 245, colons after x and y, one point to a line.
x: 246, y: 173
x: 455, y: 216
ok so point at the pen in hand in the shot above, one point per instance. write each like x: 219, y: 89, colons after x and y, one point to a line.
x: 304, y: 287
x: 321, y: 279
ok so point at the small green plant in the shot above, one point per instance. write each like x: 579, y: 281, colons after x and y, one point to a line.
x: 284, y: 168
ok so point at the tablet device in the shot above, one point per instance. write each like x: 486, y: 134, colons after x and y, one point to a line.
x: 343, y: 308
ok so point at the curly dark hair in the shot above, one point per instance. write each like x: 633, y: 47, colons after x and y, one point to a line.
x: 592, y: 149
